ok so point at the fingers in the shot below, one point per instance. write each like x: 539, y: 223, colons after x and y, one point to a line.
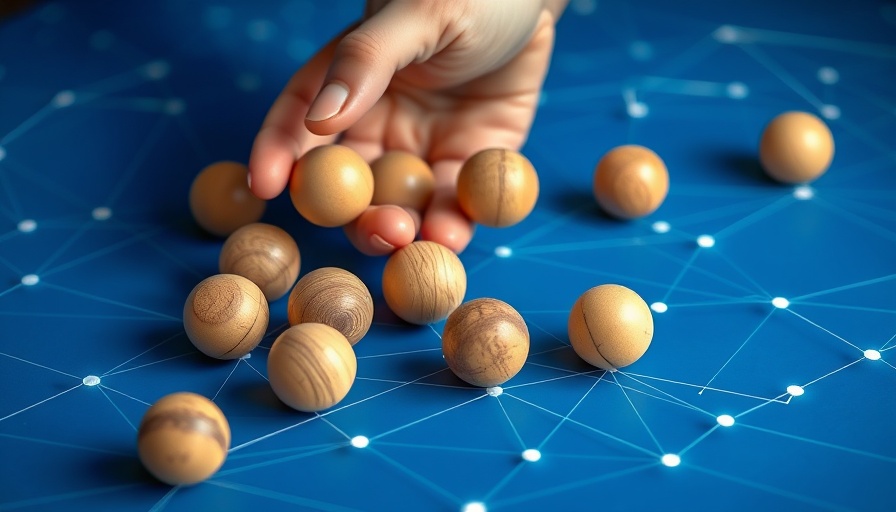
x: 444, y: 222
x: 382, y: 229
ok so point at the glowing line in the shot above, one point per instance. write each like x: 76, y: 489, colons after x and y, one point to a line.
x: 39, y: 365
x: 157, y: 361
x: 821, y: 443
x: 782, y: 75
x: 680, y: 276
x: 833, y: 372
x: 65, y: 445
x: 697, y: 441
x: 107, y: 388
x: 823, y: 329
x: 742, y: 345
x: 756, y: 216
x: 331, y: 424
x: 226, y: 379
x: 566, y: 416
x: 43, y: 500
x: 512, y: 426
x: 638, y: 414
x: 28, y: 123
x: 163, y: 501
x: 96, y: 254
x: 305, y: 503
x: 421, y: 420
x: 41, y: 402
x: 818, y: 42
x: 680, y: 383
x: 157, y: 345
x: 117, y: 408
x: 400, y: 353
x: 426, y: 482
x: 269, y: 435
x: 674, y: 399
x: 845, y: 287
x: 110, y: 301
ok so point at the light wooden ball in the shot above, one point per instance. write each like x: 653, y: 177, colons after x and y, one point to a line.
x: 423, y: 282
x: 331, y: 185
x: 796, y: 147
x: 402, y: 179
x: 485, y: 342
x: 183, y: 439
x: 335, y: 297
x: 226, y: 316
x: 497, y: 187
x: 266, y: 255
x: 220, y: 199
x: 311, y: 367
x: 610, y: 326
x: 630, y: 182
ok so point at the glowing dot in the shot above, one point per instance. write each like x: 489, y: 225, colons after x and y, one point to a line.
x: 27, y: 225
x: 637, y: 109
x: 63, y: 99
x: 794, y: 390
x: 780, y: 303
x: 706, y: 241
x: 261, y: 30
x: 828, y: 75
x: 494, y: 391
x: 101, y: 213
x: 670, y: 460
x: 247, y: 356
x: 474, y: 506
x: 102, y: 40
x: 30, y: 279
x: 157, y: 69
x: 503, y: 251
x: 725, y: 420
x: 174, y: 106
x: 661, y: 226
x: 91, y: 380
x: 641, y: 50
x: 659, y: 307
x: 803, y: 192
x: 248, y: 81
x: 830, y: 111
x: 584, y: 7
x: 360, y: 442
x: 726, y: 34
x: 737, y: 90
x: 217, y: 17
x: 531, y: 455
x: 872, y: 354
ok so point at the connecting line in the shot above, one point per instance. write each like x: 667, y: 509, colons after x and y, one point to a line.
x: 742, y: 345
x: 426, y: 482
x: 157, y: 361
x: 107, y: 388
x: 41, y: 402
x: 697, y: 441
x: 150, y: 349
x: 421, y: 420
x: 673, y: 398
x: 28, y: 123
x: 139, y: 158
x: 232, y: 370
x: 783, y: 75
x: 777, y: 399
x: 512, y: 426
x: 302, y: 502
x: 109, y: 301
x: 337, y: 429
x: 680, y: 383
x: 40, y: 365
x: 756, y: 216
x: 565, y: 418
x: 117, y: 408
x: 680, y: 276
x: 846, y: 287
x: 854, y: 451
x: 139, y: 237
x: 635, y: 409
x: 862, y: 221
x: 817, y: 42
x: 823, y: 329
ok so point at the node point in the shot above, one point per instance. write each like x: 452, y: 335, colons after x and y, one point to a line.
x: 661, y: 226
x: 261, y: 30
x: 30, y: 279
x: 659, y: 307
x: 360, y: 442
x: 726, y: 34
x: 725, y: 420
x: 706, y: 241
x: 247, y: 356
x: 830, y: 112
x: 503, y: 251
x: 63, y: 99
x: 27, y: 225
x: 101, y: 213
x: 670, y: 460
x: 531, y: 455
x: 90, y: 380
x: 637, y: 110
x: 828, y: 75
x: 157, y: 69
x: 794, y: 390
x: 494, y: 391
x: 174, y: 106
x: 872, y: 354
x: 780, y: 303
x: 474, y: 506
x: 737, y: 90
x: 803, y: 192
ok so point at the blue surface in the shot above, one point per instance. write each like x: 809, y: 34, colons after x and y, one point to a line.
x: 117, y: 105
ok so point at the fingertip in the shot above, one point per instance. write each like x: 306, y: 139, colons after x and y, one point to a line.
x: 380, y: 230
x: 270, y: 164
x: 448, y: 227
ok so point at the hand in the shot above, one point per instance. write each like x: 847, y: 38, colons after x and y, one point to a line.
x: 442, y: 80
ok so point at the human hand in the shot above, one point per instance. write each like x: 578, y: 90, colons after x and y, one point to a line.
x: 442, y: 80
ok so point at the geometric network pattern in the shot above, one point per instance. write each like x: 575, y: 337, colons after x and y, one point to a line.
x: 769, y: 384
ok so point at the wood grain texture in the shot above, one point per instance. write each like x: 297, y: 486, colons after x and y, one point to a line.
x: 630, y: 182
x: 335, y: 297
x: 424, y: 282
x: 311, y: 367
x: 183, y: 438
x: 226, y: 316
x: 331, y: 185
x: 402, y: 179
x: 220, y: 199
x: 497, y: 187
x: 485, y: 342
x: 610, y: 326
x: 796, y: 147
x: 264, y: 254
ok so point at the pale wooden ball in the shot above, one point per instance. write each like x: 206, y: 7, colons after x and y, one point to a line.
x: 183, y: 439
x: 423, y: 282
x: 497, y: 187
x: 331, y: 185
x: 220, y: 199
x: 610, y: 326
x: 311, y: 367
x: 266, y: 255
x: 485, y: 342
x: 335, y: 297
x: 630, y: 182
x: 402, y: 179
x: 226, y: 316
x: 796, y: 147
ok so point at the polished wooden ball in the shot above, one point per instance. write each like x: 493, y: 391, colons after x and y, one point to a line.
x: 610, y: 326
x: 402, y: 179
x: 335, y: 297
x: 226, y: 316
x: 331, y: 185
x: 311, y: 367
x: 485, y: 342
x: 630, y: 181
x: 796, y: 147
x: 265, y: 254
x: 423, y: 282
x: 497, y: 187
x: 220, y: 199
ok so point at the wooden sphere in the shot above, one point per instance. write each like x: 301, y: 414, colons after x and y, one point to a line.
x: 221, y: 201
x: 423, y: 282
x: 183, y: 439
x: 497, y: 187
x: 226, y: 316
x: 331, y: 185
x: 334, y: 297
x: 630, y: 182
x: 266, y: 255
x: 610, y: 326
x: 311, y: 367
x: 796, y: 147
x: 402, y: 179
x: 485, y: 342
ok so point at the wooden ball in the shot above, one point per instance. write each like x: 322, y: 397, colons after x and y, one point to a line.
x: 485, y: 342
x: 311, y: 367
x: 630, y: 182
x: 402, y: 179
x: 610, y: 326
x: 183, y: 439
x: 221, y: 201
x: 226, y: 316
x: 334, y: 297
x: 423, y: 282
x: 497, y: 187
x: 331, y: 185
x: 796, y: 147
x: 266, y: 255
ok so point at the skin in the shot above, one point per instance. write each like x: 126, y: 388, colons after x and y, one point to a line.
x: 442, y: 80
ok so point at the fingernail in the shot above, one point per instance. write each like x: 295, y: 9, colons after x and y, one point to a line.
x: 328, y: 103
x: 377, y: 242
x: 249, y: 180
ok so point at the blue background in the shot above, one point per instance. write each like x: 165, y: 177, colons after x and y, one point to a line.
x: 108, y: 109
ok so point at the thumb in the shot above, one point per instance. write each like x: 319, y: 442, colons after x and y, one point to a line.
x: 364, y: 62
